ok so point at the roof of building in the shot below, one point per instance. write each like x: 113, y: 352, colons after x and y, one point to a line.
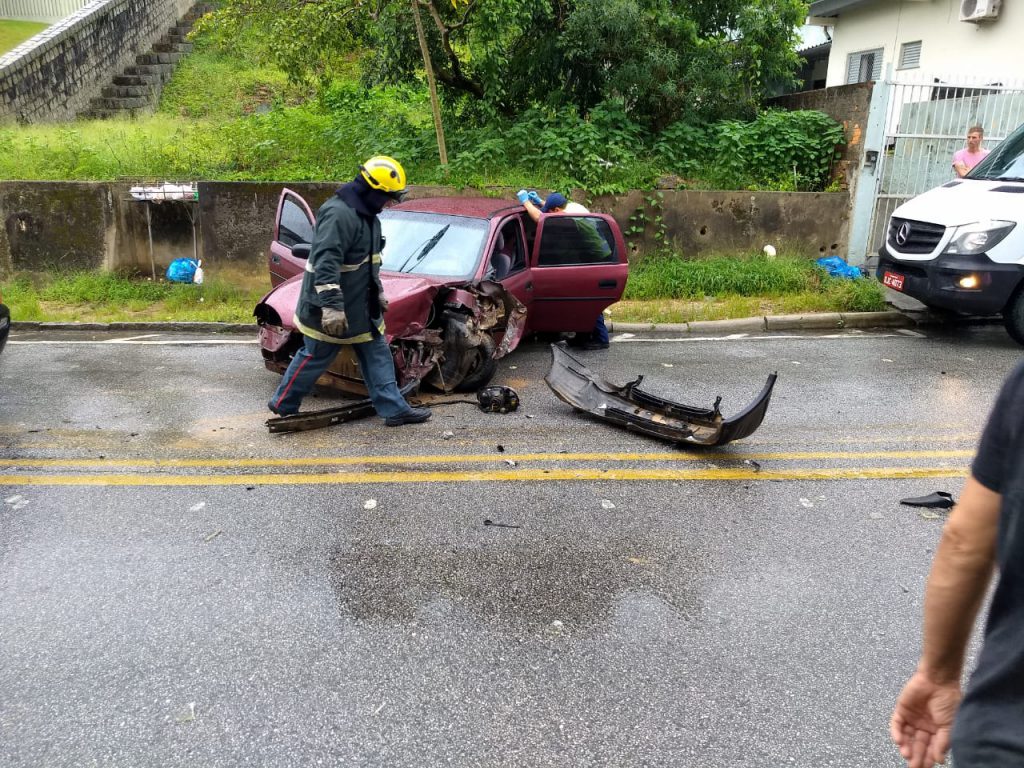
x: 833, y: 7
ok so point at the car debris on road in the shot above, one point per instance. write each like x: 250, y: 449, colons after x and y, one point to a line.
x: 630, y: 407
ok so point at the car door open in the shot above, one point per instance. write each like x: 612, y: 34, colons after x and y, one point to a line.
x: 293, y: 233
x: 578, y: 267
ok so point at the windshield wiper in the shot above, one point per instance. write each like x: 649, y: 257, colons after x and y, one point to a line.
x: 424, y: 249
x: 1009, y: 178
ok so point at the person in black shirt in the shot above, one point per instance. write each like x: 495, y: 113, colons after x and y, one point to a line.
x: 985, y: 530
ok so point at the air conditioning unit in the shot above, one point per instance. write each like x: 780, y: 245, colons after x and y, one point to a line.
x: 976, y: 11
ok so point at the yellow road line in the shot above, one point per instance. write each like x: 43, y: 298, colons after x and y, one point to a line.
x: 483, y: 458
x: 524, y: 475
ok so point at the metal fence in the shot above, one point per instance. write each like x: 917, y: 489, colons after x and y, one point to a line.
x: 926, y: 122
x: 39, y: 10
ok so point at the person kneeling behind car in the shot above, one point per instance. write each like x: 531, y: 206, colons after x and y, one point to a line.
x: 342, y: 300
x: 558, y: 203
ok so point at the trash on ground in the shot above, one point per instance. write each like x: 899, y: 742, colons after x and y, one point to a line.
x: 183, y: 271
x: 447, y: 435
x: 937, y: 500
x: 607, y: 504
x: 510, y: 462
x: 213, y: 535
x: 926, y: 515
x: 752, y: 463
x: 370, y: 504
x: 837, y: 267
x: 806, y: 503
x: 630, y: 407
x: 493, y: 524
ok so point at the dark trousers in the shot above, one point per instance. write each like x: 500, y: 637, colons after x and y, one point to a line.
x: 375, y: 362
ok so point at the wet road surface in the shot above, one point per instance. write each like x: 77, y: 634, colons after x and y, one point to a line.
x: 178, y: 587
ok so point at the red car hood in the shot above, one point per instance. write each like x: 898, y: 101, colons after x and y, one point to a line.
x: 409, y: 298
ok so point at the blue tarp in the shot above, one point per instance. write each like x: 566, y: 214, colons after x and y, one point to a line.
x: 837, y: 267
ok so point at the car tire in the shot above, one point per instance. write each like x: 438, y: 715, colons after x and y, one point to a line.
x: 1013, y: 316
x: 456, y: 372
x: 482, y: 368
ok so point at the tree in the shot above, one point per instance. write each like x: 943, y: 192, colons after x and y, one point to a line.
x: 662, y: 60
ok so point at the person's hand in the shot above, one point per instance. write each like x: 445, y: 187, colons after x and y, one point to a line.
x: 535, y: 198
x: 522, y: 195
x: 383, y: 301
x: 334, y: 322
x: 923, y: 719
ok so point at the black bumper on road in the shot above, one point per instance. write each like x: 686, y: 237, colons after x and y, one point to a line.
x: 935, y: 282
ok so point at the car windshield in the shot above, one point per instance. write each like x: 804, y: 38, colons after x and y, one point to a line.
x: 431, y: 243
x: 1005, y: 162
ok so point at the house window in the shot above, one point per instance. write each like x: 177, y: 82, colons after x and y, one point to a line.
x: 864, y: 66
x: 910, y: 55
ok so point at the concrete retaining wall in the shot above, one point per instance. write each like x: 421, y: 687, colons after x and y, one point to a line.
x: 55, y: 74
x: 846, y: 104
x: 79, y: 225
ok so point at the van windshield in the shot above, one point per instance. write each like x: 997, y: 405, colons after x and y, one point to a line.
x: 1005, y: 162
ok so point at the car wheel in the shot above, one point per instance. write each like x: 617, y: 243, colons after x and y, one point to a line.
x: 481, y: 368
x: 1013, y: 316
x: 463, y: 367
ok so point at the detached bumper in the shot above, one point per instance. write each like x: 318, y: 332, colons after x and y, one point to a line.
x: 631, y: 408
x: 936, y: 282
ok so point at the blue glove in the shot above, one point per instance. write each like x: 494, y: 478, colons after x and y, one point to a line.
x: 523, y: 195
x: 535, y: 199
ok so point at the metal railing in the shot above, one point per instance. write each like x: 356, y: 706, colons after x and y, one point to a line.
x: 39, y: 10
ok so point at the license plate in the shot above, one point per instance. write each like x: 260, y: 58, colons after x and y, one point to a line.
x: 893, y: 280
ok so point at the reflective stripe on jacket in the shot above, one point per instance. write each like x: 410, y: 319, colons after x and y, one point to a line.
x: 342, y: 272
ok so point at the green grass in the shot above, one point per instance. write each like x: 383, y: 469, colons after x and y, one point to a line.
x: 666, y: 289
x: 14, y: 33
x: 227, y: 295
x: 716, y: 289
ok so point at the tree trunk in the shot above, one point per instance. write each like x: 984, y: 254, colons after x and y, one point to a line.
x: 429, y: 67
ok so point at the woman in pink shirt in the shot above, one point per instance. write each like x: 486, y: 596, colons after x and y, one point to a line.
x: 965, y: 159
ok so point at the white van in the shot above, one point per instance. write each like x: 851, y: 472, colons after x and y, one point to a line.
x: 960, y: 247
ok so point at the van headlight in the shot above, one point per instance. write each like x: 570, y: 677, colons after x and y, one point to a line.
x: 978, y: 237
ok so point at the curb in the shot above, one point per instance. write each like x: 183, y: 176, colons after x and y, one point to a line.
x: 171, y: 326
x: 815, y: 321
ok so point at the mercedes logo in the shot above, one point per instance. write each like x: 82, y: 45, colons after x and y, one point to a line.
x: 903, y: 233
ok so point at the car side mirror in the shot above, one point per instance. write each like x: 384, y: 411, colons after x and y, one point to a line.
x: 301, y: 250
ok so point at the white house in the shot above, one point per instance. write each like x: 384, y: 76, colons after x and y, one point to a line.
x: 979, y: 40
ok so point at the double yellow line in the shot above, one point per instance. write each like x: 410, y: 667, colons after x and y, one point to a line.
x: 408, y: 469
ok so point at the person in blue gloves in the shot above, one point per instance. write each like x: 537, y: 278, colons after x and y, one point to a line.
x: 556, y: 202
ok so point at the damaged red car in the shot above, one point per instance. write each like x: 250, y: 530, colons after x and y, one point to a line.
x: 466, y: 279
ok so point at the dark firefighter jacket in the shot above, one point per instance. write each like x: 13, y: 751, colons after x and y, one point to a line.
x: 342, y: 272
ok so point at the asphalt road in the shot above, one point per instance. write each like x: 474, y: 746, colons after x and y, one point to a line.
x: 180, y: 588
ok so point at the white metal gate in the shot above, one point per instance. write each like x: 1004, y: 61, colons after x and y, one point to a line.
x: 925, y: 123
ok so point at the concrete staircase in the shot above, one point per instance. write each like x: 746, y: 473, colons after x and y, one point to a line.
x: 136, y: 91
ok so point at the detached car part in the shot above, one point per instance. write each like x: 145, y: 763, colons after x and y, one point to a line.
x: 630, y: 407
x: 303, y: 422
x: 497, y: 399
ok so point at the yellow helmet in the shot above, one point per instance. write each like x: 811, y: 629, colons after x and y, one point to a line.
x: 384, y: 173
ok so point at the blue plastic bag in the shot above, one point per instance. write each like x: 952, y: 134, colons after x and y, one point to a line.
x: 836, y: 267
x: 182, y: 270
